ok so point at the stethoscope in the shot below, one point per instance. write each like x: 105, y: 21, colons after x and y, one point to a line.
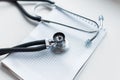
x: 58, y: 41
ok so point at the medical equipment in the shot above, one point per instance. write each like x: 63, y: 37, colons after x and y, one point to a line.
x: 56, y: 42
x: 48, y: 64
x: 67, y: 41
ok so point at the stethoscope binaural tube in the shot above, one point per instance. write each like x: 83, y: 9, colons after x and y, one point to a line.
x: 39, y: 19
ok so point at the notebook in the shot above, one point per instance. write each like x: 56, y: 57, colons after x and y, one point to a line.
x: 46, y: 65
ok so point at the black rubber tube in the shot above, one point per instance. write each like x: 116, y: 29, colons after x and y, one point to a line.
x: 23, y: 47
x: 30, y: 49
x: 24, y: 11
x: 31, y: 43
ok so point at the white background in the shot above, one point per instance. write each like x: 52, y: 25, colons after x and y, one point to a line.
x: 103, y: 65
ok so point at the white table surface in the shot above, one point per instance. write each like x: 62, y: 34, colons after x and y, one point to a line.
x: 103, y: 65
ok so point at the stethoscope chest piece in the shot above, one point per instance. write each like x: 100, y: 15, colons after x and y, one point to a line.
x: 60, y: 43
